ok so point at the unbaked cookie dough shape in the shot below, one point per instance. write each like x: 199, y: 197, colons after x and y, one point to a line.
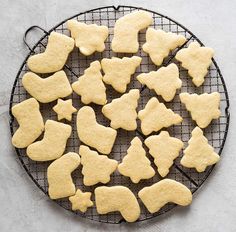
x: 122, y: 111
x: 88, y: 38
x: 199, y: 153
x: 93, y: 134
x: 126, y: 31
x: 135, y: 164
x: 53, y: 143
x: 196, y: 60
x: 55, y: 55
x: 164, y: 149
x: 117, y: 198
x: 165, y: 81
x: 155, y: 116
x: 118, y: 71
x: 96, y: 168
x: 90, y: 86
x: 203, y: 108
x: 47, y: 89
x: 30, y: 122
x: 60, y: 183
x: 157, y: 195
x: 159, y: 44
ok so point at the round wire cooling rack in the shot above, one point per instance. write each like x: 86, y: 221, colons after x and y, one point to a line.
x: 216, y: 132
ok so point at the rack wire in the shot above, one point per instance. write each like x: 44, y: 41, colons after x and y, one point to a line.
x: 77, y: 63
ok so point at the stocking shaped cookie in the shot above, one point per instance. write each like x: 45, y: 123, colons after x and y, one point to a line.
x: 96, y: 168
x: 118, y: 71
x: 88, y: 38
x: 90, y: 86
x: 203, y: 108
x: 165, y: 81
x: 196, y: 60
x: 159, y: 43
x: 155, y: 116
x: 164, y: 149
x: 135, y: 164
x: 199, y: 154
x: 122, y: 111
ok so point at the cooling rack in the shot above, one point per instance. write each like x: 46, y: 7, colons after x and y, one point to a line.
x: 216, y: 132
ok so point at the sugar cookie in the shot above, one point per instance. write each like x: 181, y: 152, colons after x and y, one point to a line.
x: 196, y: 60
x: 93, y: 134
x: 117, y: 198
x: 199, y: 154
x: 164, y: 149
x: 122, y: 111
x: 117, y: 71
x: 126, y: 30
x: 55, y: 55
x: 30, y: 123
x: 53, y: 143
x: 157, y: 195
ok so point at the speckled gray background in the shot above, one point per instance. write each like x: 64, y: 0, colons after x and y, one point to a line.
x: 23, y: 207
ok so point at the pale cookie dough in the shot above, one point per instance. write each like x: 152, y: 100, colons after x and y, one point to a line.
x: 155, y: 116
x: 53, y: 143
x: 203, y: 108
x: 47, y: 89
x: 81, y: 201
x: 60, y: 183
x: 96, y: 168
x: 117, y: 198
x: 135, y: 164
x: 88, y: 38
x: 122, y: 111
x: 159, y: 44
x: 196, y: 60
x: 156, y: 196
x: 90, y: 86
x: 164, y: 149
x: 55, y: 55
x: 126, y: 31
x: 199, y: 154
x: 93, y: 134
x: 30, y: 122
x: 64, y: 109
x: 165, y: 81
x: 117, y: 71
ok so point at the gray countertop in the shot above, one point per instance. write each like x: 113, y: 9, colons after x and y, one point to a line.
x: 23, y: 207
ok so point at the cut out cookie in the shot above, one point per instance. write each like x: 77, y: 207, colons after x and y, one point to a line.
x: 117, y: 198
x: 196, y: 60
x: 203, y: 108
x: 155, y: 116
x: 90, y: 86
x: 93, y: 134
x: 88, y: 38
x: 47, y: 89
x: 159, y: 194
x: 64, y: 109
x: 96, y: 168
x: 122, y: 111
x: 53, y: 143
x: 164, y: 149
x: 159, y: 44
x: 56, y: 53
x: 126, y: 30
x: 135, y: 164
x: 118, y: 71
x: 81, y: 201
x: 60, y: 183
x: 30, y: 122
x: 199, y: 154
x: 165, y: 81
